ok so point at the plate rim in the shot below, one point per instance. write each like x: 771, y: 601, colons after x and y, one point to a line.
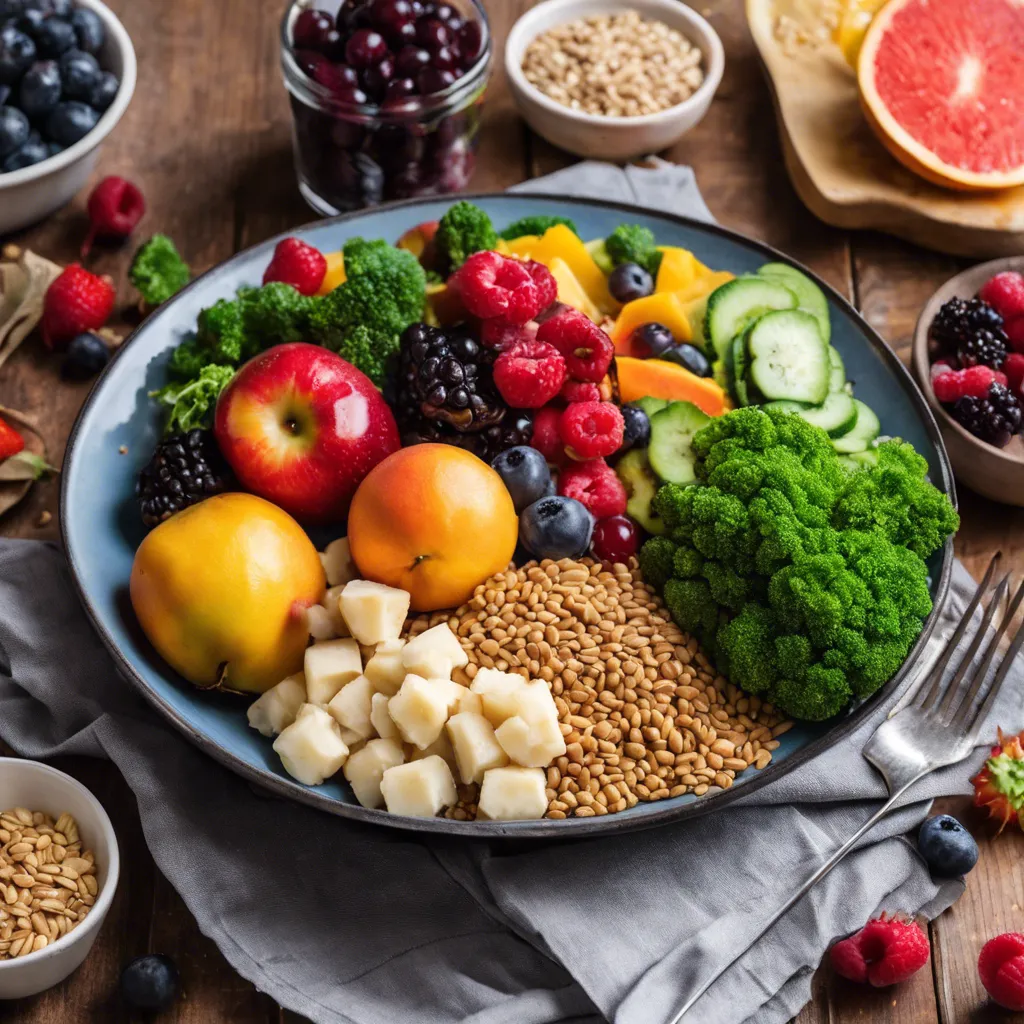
x: 543, y: 828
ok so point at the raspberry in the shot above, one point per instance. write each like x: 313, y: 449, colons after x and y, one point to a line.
x: 529, y: 374
x: 948, y: 386
x: 595, y: 486
x: 11, y: 442
x: 1001, y: 968
x: 939, y: 368
x: 1005, y: 293
x: 76, y: 302
x: 547, y: 286
x: 115, y: 206
x: 1015, y: 333
x: 976, y: 380
x: 493, y: 285
x: 500, y: 335
x: 1014, y: 370
x: 580, y: 391
x: 884, y: 952
x: 297, y: 264
x: 587, y: 349
x: 591, y: 430
x: 546, y: 437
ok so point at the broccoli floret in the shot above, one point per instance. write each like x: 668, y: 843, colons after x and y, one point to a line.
x: 535, y: 225
x: 630, y: 243
x: 192, y: 404
x: 656, y: 561
x: 158, y: 271
x: 188, y: 359
x: 463, y: 230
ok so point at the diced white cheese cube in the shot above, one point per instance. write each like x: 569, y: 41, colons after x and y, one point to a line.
x: 531, y: 744
x: 420, y: 709
x: 476, y: 749
x: 534, y: 701
x: 380, y: 717
x: 350, y: 706
x: 385, y: 669
x: 329, y: 666
x: 332, y: 602
x: 434, y: 653
x: 321, y: 623
x: 466, y: 700
x: 497, y: 690
x: 272, y: 712
x: 337, y: 563
x: 513, y: 794
x: 311, y: 748
x: 365, y: 768
x: 373, y: 611
x: 419, y: 789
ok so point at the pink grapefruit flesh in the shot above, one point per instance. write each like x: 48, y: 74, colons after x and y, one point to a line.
x: 942, y: 85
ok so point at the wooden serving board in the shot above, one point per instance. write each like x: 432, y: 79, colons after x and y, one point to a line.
x: 844, y: 174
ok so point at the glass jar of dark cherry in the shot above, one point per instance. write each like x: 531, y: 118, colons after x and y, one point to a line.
x: 386, y: 98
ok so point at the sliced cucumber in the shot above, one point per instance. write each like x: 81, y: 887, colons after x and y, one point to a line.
x: 837, y: 377
x: 788, y: 359
x: 866, y: 459
x: 736, y: 304
x: 739, y: 369
x: 836, y: 415
x: 671, y: 446
x: 599, y: 254
x: 810, y: 298
x: 859, y: 437
x: 634, y: 470
x: 651, y: 405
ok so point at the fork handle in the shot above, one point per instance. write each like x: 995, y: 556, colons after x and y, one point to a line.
x: 795, y: 898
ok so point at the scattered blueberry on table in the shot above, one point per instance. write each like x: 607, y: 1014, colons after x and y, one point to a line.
x: 150, y: 982
x: 947, y: 847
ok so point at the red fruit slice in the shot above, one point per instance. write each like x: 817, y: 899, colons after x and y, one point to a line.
x: 940, y: 85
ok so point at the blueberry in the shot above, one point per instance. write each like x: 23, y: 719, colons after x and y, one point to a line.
x: 104, y: 89
x: 30, y: 21
x: 87, y: 354
x: 17, y: 51
x: 89, y: 30
x: 80, y: 72
x: 525, y: 474
x: 5, y: 93
x: 689, y: 357
x: 150, y: 982
x: 654, y: 336
x: 14, y: 130
x: 70, y: 121
x: 948, y: 848
x: 630, y: 281
x: 40, y: 89
x: 59, y: 8
x: 54, y: 36
x: 11, y: 9
x: 637, y: 432
x: 556, y: 528
x: 33, y: 152
x: 53, y: 148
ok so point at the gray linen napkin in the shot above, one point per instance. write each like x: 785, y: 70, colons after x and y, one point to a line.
x: 414, y: 931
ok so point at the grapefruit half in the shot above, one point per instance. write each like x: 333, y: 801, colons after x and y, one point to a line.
x: 942, y: 85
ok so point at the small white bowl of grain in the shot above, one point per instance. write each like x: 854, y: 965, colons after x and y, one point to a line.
x: 58, y: 871
x: 613, y: 79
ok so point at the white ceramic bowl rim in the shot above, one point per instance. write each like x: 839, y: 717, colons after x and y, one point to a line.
x: 116, y: 32
x: 714, y: 54
x: 113, y: 866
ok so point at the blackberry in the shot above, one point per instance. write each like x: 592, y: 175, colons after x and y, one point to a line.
x: 994, y: 419
x: 973, y: 331
x: 183, y: 471
x: 515, y: 430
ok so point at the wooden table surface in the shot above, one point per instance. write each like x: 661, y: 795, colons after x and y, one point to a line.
x: 207, y: 138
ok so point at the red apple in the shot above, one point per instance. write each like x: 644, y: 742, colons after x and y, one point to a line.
x: 301, y: 427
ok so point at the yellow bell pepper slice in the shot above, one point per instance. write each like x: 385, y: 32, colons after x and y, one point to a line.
x: 570, y: 291
x: 335, y: 274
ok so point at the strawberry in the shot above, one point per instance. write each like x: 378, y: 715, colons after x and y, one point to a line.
x: 999, y: 786
x: 297, y: 264
x: 1001, y: 969
x: 76, y: 302
x: 11, y: 442
x: 884, y: 952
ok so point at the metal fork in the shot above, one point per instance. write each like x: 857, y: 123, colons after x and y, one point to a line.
x: 938, y: 726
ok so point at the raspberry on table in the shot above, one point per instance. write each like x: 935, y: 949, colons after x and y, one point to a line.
x: 529, y: 374
x: 596, y: 486
x: 500, y: 335
x: 580, y: 391
x: 1005, y: 294
x: 1001, y: 969
x: 494, y: 286
x: 547, y: 286
x: 591, y: 430
x: 885, y: 951
x: 547, y: 438
x: 588, y: 351
x: 298, y: 264
x: 76, y: 302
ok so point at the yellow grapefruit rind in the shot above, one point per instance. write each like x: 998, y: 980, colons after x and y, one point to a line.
x: 898, y: 141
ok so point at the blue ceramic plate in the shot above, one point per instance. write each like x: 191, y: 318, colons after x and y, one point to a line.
x: 101, y: 524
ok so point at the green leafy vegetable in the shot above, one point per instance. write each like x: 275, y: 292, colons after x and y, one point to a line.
x: 192, y: 404
x: 630, y: 243
x: 463, y: 230
x: 158, y: 271
x: 535, y: 225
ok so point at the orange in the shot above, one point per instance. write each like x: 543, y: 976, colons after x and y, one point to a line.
x: 432, y: 520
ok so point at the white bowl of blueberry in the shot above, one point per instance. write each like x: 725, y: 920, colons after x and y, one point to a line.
x: 67, y: 74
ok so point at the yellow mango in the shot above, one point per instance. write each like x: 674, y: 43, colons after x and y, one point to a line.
x: 704, y: 284
x: 570, y: 291
x: 335, y: 274
x: 503, y: 247
x: 661, y: 307
x: 679, y: 269
x: 523, y: 246
x: 560, y: 242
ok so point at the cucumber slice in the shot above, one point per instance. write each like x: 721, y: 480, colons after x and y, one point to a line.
x: 599, y: 254
x: 671, y: 446
x: 787, y: 357
x: 865, y: 460
x: 810, y: 298
x: 837, y: 377
x: 651, y: 405
x: 634, y: 470
x: 859, y: 437
x: 739, y: 369
x: 736, y: 304
x: 836, y: 415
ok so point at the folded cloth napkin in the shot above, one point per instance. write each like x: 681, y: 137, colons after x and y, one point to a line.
x: 349, y: 924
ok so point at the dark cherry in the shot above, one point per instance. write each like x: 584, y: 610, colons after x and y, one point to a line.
x: 434, y: 80
x: 445, y: 59
x: 333, y: 46
x: 310, y: 61
x: 365, y: 47
x: 471, y: 41
x: 615, y: 539
x: 311, y: 28
x: 389, y: 16
x: 351, y: 94
x: 376, y: 78
x: 399, y: 89
x: 411, y: 60
x: 353, y: 16
x: 336, y: 77
x: 455, y: 24
x: 446, y: 12
x: 433, y: 34
x: 347, y: 75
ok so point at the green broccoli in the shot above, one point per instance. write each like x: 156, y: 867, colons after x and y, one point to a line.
x: 630, y: 243
x: 463, y: 230
x: 806, y: 583
x: 157, y: 271
x: 535, y: 225
x: 192, y: 404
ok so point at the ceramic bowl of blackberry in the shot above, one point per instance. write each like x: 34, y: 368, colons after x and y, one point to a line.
x: 386, y: 98
x: 968, y: 357
x: 67, y: 74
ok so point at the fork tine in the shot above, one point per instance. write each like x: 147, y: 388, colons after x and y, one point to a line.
x: 925, y: 701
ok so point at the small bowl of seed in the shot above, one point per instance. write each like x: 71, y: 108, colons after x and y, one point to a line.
x: 613, y: 79
x: 58, y: 871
